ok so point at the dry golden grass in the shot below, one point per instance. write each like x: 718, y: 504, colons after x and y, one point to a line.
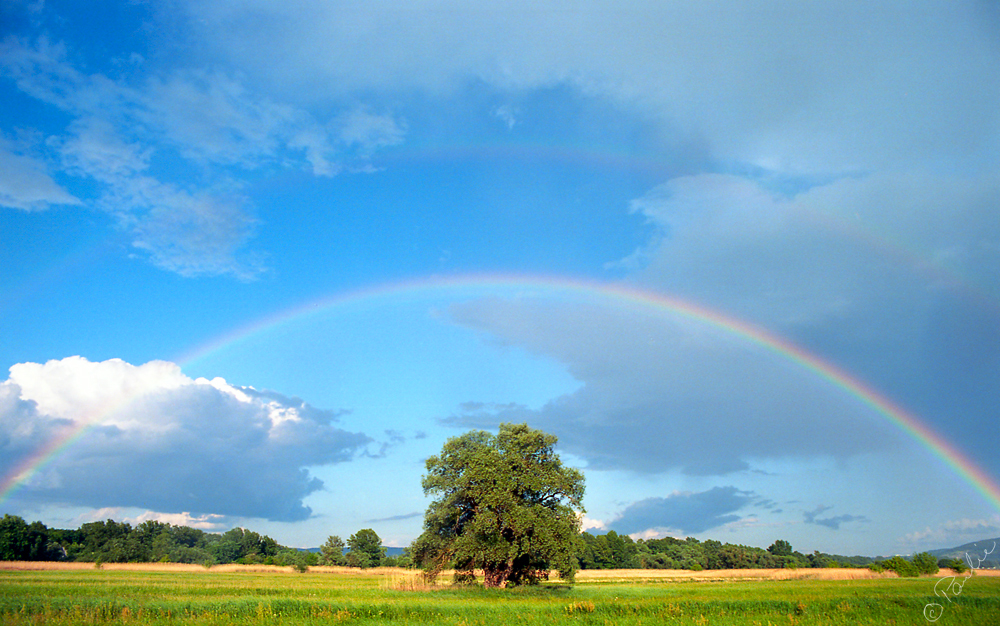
x: 736, y: 574
x: 412, y: 580
x: 979, y: 572
x: 729, y: 574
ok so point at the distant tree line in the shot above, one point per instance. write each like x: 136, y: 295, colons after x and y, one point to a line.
x: 151, y: 541
x: 120, y: 542
x: 614, y: 551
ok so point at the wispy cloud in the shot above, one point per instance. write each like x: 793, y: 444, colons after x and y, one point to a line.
x: 394, y: 518
x: 813, y: 517
x: 25, y: 182
x: 123, y: 131
x: 953, y: 533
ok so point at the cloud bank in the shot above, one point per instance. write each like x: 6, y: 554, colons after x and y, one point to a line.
x: 155, y: 439
x: 660, y: 392
x: 784, y: 85
x: 683, y: 513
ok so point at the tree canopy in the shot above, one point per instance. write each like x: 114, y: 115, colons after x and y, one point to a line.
x: 504, y: 504
x: 365, y: 549
x: 332, y: 552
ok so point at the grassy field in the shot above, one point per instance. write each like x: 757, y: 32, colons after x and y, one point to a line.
x: 165, y: 594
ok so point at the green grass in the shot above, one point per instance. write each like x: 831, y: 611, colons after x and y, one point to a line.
x: 212, y: 597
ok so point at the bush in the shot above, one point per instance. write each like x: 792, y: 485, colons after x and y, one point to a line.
x: 954, y: 564
x: 902, y: 567
x: 925, y: 563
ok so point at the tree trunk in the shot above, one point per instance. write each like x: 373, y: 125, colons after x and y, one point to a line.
x: 497, y: 576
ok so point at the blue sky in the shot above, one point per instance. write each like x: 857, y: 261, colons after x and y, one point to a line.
x: 263, y: 258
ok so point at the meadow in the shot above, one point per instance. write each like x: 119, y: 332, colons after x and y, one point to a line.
x: 177, y: 594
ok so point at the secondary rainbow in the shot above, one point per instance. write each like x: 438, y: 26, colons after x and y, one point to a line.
x: 630, y: 295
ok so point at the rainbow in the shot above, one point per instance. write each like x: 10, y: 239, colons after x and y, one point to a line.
x: 51, y: 450
x: 623, y: 293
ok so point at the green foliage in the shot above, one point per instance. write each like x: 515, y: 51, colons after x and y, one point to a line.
x: 612, y: 551
x: 780, y: 548
x: 959, y: 565
x: 332, y: 552
x: 921, y: 564
x: 118, y: 542
x: 817, y: 559
x: 504, y: 504
x: 925, y: 563
x: 365, y: 549
x: 20, y: 541
x: 403, y: 560
x: 901, y: 566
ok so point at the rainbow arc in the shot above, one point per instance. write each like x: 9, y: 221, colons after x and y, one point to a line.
x: 622, y: 294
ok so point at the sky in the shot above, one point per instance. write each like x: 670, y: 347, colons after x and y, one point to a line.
x: 260, y: 259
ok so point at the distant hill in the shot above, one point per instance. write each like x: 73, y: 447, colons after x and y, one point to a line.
x: 986, y: 549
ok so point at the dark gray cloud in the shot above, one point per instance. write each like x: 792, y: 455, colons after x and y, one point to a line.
x: 684, y: 512
x: 161, y: 441
x: 892, y: 277
x: 394, y: 518
x: 662, y: 392
x: 813, y: 517
x: 910, y: 316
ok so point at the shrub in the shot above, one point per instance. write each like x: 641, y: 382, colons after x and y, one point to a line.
x: 954, y: 564
x: 901, y: 566
x: 925, y: 563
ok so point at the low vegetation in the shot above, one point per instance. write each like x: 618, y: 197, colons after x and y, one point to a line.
x: 152, y: 541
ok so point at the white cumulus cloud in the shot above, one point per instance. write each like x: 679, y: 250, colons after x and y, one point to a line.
x: 150, y: 437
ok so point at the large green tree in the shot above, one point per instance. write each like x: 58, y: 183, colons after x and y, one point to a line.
x: 365, y: 549
x: 504, y: 504
x: 332, y: 552
x: 780, y: 548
